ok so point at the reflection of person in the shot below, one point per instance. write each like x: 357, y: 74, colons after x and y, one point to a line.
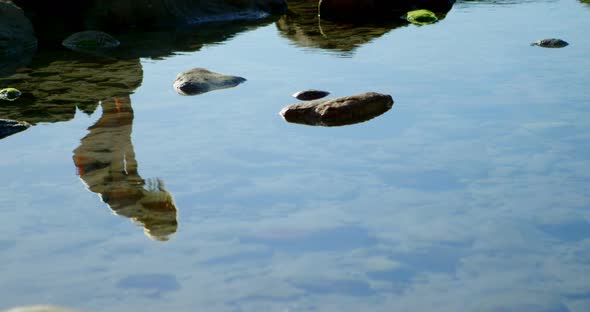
x: 105, y: 161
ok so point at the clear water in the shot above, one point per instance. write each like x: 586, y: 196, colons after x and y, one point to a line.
x: 470, y: 194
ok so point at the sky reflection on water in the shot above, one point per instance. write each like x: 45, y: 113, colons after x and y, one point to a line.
x: 469, y: 195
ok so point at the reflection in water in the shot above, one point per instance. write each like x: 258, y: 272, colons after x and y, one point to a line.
x: 58, y: 84
x: 303, y: 26
x: 106, y: 163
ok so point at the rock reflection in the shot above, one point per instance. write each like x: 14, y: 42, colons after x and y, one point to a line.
x: 106, y: 162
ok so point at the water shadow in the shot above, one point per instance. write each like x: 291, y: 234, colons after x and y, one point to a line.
x: 105, y: 162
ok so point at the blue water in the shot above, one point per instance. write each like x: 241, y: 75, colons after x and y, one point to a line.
x: 470, y: 194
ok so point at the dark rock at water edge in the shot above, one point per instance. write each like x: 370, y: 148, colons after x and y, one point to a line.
x: 9, y: 127
x: 17, y: 38
x: 378, y: 9
x: 309, y: 95
x: 55, y: 17
x: 340, y: 111
x: 199, y: 80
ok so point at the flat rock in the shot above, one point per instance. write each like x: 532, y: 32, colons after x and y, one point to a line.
x: 550, y: 43
x: 199, y: 80
x: 309, y: 95
x: 340, y: 111
x: 9, y: 127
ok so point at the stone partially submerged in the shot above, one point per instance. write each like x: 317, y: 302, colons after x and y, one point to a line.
x: 550, y: 43
x: 9, y: 127
x: 420, y: 17
x: 340, y: 111
x: 199, y: 80
x: 9, y: 94
x: 310, y: 95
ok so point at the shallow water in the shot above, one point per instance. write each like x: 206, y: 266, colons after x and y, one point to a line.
x: 470, y: 194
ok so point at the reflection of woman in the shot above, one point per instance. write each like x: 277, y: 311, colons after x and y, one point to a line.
x: 105, y: 161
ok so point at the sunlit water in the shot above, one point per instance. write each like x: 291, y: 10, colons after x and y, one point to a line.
x: 470, y: 194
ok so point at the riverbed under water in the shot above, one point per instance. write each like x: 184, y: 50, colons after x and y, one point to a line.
x: 470, y: 194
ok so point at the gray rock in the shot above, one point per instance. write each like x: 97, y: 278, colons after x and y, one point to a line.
x: 199, y: 80
x: 550, y: 43
x: 9, y: 127
x: 340, y: 111
x: 309, y: 95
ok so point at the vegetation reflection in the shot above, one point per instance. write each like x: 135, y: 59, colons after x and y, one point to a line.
x: 303, y: 26
x: 105, y: 161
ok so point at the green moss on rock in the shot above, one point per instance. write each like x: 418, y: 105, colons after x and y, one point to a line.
x: 421, y: 17
x: 9, y: 94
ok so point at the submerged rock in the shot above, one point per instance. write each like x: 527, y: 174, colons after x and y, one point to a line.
x: 340, y: 111
x: 309, y: 95
x: 90, y: 41
x: 199, y: 80
x: 9, y: 127
x: 420, y: 17
x: 9, y: 94
x: 550, y: 43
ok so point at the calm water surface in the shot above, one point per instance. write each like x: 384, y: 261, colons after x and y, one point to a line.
x: 471, y: 194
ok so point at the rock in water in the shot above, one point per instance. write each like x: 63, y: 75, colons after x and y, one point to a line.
x: 199, y: 80
x: 309, y: 95
x: 90, y: 41
x: 550, y: 43
x: 9, y: 127
x: 340, y: 111
x: 420, y: 17
x: 9, y: 94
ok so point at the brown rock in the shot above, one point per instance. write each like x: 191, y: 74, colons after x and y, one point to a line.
x: 340, y: 111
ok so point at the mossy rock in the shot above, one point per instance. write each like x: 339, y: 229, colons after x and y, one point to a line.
x: 421, y: 17
x: 9, y: 94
